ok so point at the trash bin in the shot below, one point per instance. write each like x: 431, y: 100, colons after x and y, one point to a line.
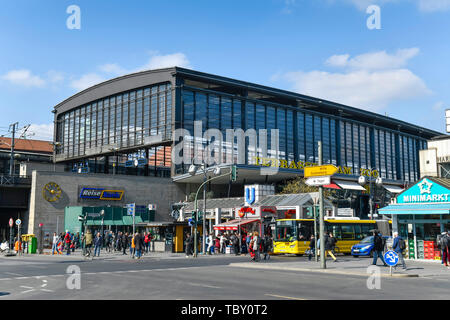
x: 32, y: 244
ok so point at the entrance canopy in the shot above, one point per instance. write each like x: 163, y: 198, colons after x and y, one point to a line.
x: 234, y: 224
x: 344, y: 184
x: 431, y: 208
x: 393, y: 189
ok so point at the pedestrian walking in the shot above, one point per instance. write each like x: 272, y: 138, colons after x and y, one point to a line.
x: 444, y: 244
x: 378, y: 248
x: 248, y: 240
x: 256, y: 246
x: 267, y: 246
x: 312, y: 247
x: 88, y: 239
x: 55, y: 243
x: 98, y: 242
x: 189, y: 243
x: 235, y: 243
x: 329, y: 243
x: 398, y: 246
x: 222, y: 243
x: 67, y: 241
x: 124, y: 241
x: 217, y: 245
x: 138, y: 245
x: 210, y: 243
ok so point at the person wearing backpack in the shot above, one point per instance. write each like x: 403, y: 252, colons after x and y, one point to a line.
x: 398, y: 246
x: 444, y: 244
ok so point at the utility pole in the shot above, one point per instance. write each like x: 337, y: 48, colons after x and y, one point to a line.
x: 11, y: 161
x: 323, y: 263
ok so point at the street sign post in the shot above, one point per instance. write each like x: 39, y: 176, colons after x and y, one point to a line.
x: 318, y: 181
x: 131, y: 210
x: 18, y: 223
x: 320, y: 171
x: 391, y: 259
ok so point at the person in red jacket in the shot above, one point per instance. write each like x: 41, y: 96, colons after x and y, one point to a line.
x: 67, y: 240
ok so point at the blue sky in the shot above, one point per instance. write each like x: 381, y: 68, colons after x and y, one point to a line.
x: 321, y: 48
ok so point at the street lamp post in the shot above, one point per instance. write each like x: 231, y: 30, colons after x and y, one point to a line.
x: 362, y: 180
x: 192, y: 171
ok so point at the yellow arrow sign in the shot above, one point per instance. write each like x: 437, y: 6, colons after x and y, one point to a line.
x: 318, y: 171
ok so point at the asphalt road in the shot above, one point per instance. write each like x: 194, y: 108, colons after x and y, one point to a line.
x: 204, y: 278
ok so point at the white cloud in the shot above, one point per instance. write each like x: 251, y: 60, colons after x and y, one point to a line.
x: 40, y: 132
x: 86, y: 81
x: 370, y: 81
x: 374, y: 60
x: 438, y: 106
x: 166, y: 61
x: 23, y: 77
x: 156, y: 61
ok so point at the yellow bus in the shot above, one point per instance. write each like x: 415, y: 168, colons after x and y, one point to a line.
x: 292, y: 236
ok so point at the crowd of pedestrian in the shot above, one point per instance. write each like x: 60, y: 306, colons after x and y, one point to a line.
x: 244, y: 243
x: 137, y: 244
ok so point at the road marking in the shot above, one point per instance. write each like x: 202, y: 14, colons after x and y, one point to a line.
x: 285, y: 297
x: 13, y: 274
x: 203, y: 285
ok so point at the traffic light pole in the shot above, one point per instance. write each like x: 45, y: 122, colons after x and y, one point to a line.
x: 196, y: 209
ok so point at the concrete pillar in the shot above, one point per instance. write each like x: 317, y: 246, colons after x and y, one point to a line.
x: 217, y: 213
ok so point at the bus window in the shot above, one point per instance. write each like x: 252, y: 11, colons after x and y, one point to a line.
x: 347, y: 232
x: 335, y: 229
x: 285, y: 231
x: 365, y: 230
x: 304, y: 231
x: 358, y: 233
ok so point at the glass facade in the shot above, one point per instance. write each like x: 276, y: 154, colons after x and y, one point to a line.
x: 346, y: 143
x: 119, y: 121
x: 123, y: 121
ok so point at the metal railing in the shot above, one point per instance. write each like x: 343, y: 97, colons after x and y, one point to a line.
x: 14, y: 180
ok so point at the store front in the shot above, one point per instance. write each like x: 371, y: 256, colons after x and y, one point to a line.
x: 420, y: 214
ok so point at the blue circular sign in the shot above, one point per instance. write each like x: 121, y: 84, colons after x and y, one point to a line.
x: 391, y: 258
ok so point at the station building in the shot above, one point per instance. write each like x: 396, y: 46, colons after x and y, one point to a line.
x: 117, y: 138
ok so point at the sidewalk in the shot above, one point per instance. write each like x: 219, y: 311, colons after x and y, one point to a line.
x: 350, y: 266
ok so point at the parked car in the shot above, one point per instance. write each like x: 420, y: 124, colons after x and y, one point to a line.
x: 365, y: 246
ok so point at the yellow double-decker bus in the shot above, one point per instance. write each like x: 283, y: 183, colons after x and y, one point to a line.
x: 292, y: 236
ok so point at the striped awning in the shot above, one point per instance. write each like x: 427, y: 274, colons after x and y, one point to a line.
x: 234, y: 224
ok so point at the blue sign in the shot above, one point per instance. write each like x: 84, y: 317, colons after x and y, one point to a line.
x: 250, y: 195
x: 101, y: 194
x: 131, y: 209
x: 425, y: 191
x: 391, y: 258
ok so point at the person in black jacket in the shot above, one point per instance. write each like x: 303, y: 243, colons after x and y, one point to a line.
x: 124, y: 241
x: 312, y: 247
x: 329, y: 245
x: 189, y: 243
x: 378, y: 248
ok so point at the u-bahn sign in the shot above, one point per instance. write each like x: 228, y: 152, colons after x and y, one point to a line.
x: 320, y: 171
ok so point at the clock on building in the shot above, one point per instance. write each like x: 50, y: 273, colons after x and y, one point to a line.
x: 51, y: 192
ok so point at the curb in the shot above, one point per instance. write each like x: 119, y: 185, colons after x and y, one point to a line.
x: 333, y: 271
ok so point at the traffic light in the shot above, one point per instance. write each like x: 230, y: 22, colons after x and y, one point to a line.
x: 194, y: 216
x: 233, y: 173
x: 308, y: 211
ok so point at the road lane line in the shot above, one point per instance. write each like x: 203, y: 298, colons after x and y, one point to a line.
x: 284, y: 297
x: 203, y: 285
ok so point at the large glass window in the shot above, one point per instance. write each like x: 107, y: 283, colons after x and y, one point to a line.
x: 309, y: 142
x: 301, y: 136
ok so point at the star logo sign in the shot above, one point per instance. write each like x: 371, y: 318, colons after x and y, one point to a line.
x: 425, y: 186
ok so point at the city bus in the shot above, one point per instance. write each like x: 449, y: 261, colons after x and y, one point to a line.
x: 292, y: 236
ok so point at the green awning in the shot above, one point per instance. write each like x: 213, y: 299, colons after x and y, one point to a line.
x: 430, y: 208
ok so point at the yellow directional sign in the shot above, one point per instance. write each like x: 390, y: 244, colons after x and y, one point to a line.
x: 319, y: 171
